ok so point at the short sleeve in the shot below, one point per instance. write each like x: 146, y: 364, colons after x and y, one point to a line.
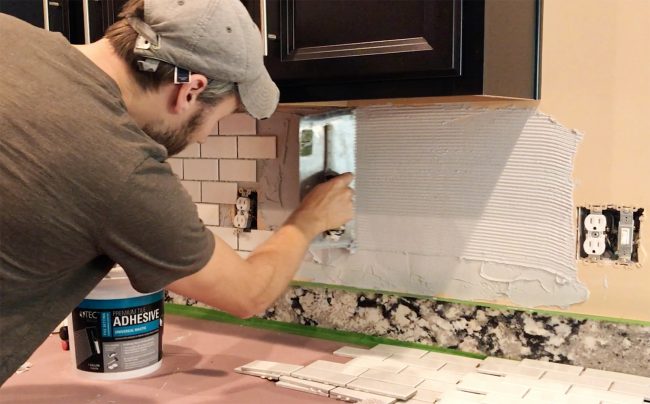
x: 153, y: 229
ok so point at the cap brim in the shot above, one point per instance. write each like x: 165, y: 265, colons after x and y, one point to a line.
x: 259, y: 96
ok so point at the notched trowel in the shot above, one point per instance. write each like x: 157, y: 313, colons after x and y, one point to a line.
x: 327, y: 149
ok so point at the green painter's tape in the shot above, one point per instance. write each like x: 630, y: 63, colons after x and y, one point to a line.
x: 345, y: 337
x: 577, y: 316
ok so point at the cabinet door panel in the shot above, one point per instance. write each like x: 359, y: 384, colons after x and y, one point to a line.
x: 362, y: 39
x: 27, y: 10
x: 101, y: 14
x: 59, y: 16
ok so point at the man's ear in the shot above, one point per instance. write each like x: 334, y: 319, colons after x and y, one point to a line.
x: 188, y: 93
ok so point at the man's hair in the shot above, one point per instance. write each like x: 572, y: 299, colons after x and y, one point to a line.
x: 122, y: 37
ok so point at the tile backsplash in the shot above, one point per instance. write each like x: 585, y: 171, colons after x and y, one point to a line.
x: 212, y: 172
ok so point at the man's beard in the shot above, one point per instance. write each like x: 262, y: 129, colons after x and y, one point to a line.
x: 174, y: 140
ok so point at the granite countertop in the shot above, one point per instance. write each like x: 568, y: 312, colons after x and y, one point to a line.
x: 199, y: 358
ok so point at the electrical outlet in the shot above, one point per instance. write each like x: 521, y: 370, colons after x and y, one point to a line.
x: 243, y: 204
x: 594, y: 246
x: 595, y: 222
x: 242, y: 220
x: 246, y: 210
x: 609, y: 233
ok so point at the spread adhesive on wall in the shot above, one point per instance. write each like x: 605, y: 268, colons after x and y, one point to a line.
x: 464, y: 202
x: 116, y: 332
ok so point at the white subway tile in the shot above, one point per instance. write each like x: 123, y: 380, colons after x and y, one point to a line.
x: 312, y: 389
x: 201, y: 169
x: 323, y: 376
x: 209, y: 214
x: 238, y: 170
x: 427, y: 396
x: 257, y: 147
x: 458, y: 368
x: 623, y: 401
x: 227, y: 234
x: 220, y: 192
x: 399, y: 351
x: 498, y: 398
x: 450, y: 358
x: 263, y: 375
x: 275, y: 368
x: 436, y: 386
x: 192, y: 150
x: 424, y: 373
x: 352, y: 352
x: 617, y: 376
x: 387, y: 365
x: 177, y: 167
x: 305, y: 385
x: 345, y: 394
x: 493, y: 359
x: 220, y: 147
x: 560, y: 387
x: 577, y: 392
x: 460, y: 397
x: 632, y: 389
x: 535, y: 394
x: 558, y: 367
x: 442, y: 376
x: 428, y: 363
x: 382, y: 388
x: 194, y: 189
x: 502, y: 369
x: 337, y: 367
x: 483, y: 384
x: 593, y: 382
x: 390, y: 377
x: 238, y: 124
x: 248, y: 241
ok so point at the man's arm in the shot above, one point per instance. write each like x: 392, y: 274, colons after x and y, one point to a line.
x: 247, y: 287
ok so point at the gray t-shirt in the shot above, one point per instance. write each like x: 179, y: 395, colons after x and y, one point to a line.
x: 81, y: 187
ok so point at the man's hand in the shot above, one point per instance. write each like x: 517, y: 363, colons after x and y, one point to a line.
x: 247, y: 287
x: 327, y: 206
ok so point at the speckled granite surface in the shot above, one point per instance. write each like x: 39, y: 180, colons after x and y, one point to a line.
x: 502, y: 333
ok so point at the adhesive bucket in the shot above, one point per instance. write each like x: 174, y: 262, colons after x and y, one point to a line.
x: 116, y: 332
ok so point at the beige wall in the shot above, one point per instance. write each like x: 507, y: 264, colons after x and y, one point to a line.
x: 596, y: 79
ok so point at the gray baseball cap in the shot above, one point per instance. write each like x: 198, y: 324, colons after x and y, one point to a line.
x: 216, y: 38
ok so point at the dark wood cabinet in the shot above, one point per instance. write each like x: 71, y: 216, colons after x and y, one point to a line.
x: 342, y: 39
x: 31, y: 11
x: 100, y: 14
x: 324, y: 50
x: 52, y: 14
x: 80, y: 21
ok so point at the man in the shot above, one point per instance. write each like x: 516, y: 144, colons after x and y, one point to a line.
x: 84, y: 135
